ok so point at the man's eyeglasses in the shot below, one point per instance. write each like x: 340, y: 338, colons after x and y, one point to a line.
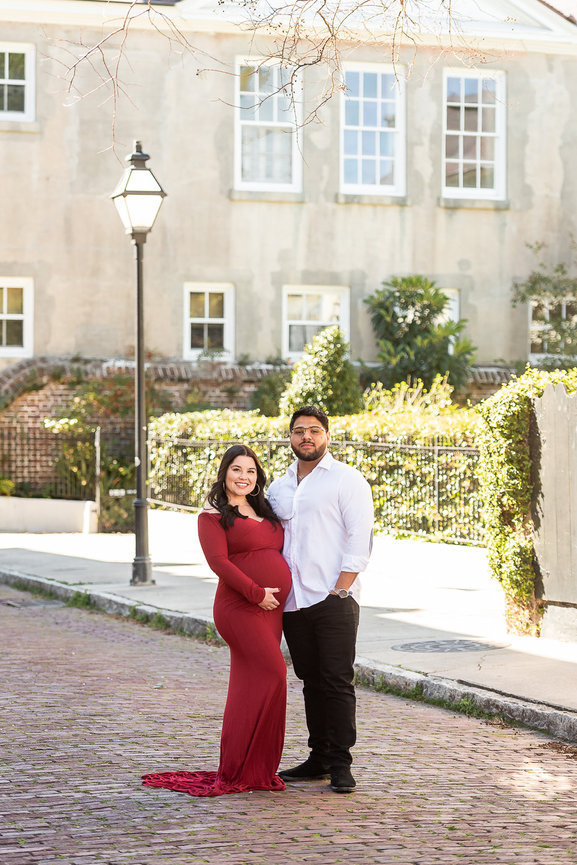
x: 300, y: 431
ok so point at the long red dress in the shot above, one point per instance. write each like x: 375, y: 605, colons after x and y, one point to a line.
x: 246, y: 558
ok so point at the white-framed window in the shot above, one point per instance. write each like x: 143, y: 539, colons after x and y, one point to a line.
x: 16, y: 316
x: 551, y: 327
x: 17, y: 81
x: 372, y: 131
x: 474, y: 141
x: 267, y: 154
x: 208, y: 319
x: 308, y: 309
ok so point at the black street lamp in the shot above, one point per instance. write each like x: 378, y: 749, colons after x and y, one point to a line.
x: 138, y: 197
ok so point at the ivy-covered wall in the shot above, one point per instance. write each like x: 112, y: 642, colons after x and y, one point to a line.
x: 507, y: 489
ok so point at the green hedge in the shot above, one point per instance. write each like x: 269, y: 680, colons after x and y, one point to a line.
x: 506, y: 489
x: 430, y: 492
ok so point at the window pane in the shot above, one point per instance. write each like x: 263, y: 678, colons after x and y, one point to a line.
x: 555, y: 311
x: 453, y: 118
x: 489, y: 91
x: 297, y: 337
x: 215, y: 336
x: 387, y: 86
x: 266, y: 79
x: 247, y: 79
x: 313, y: 307
x: 197, y: 336
x: 266, y: 110
x: 351, y: 113
x: 352, y: 83
x: 487, y: 177
x: 370, y: 80
x: 295, y: 306
x: 2, y: 97
x: 248, y: 105
x: 351, y: 142
x: 537, y: 345
x: 196, y: 304
x: 2, y: 64
x: 487, y: 148
x: 15, y: 97
x: 15, y: 333
x: 387, y: 142
x: 469, y: 146
x: 387, y: 117
x: 452, y: 174
x: 488, y: 119
x: 386, y: 172
x: 452, y: 146
x: 16, y: 69
x: 266, y: 154
x: 369, y: 113
x: 369, y: 143
x: 471, y: 119
x: 216, y: 304
x: 350, y: 173
x: 453, y: 89
x: 369, y: 171
x: 469, y: 175
x: 570, y: 310
x: 539, y: 311
x: 2, y: 299
x: 471, y: 91
x: 15, y: 304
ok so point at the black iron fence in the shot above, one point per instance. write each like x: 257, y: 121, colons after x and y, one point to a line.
x: 42, y: 463
x: 418, y: 489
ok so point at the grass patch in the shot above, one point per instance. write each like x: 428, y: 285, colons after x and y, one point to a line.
x: 465, y: 706
x: 82, y: 601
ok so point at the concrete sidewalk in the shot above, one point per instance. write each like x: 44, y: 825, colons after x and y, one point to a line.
x: 432, y: 617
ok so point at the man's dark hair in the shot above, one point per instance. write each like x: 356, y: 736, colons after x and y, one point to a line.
x: 310, y: 411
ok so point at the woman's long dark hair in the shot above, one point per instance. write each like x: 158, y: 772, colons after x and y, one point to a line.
x: 217, y: 497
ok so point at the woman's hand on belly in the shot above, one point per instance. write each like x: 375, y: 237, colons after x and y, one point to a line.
x: 269, y: 602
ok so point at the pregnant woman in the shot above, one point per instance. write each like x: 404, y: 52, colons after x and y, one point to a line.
x: 242, y: 540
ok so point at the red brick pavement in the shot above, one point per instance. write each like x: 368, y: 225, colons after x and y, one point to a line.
x: 83, y: 717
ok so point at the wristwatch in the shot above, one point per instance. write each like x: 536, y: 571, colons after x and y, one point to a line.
x: 342, y: 593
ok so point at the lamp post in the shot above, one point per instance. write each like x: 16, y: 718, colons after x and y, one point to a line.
x: 138, y: 197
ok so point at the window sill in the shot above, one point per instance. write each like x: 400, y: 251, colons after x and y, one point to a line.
x: 29, y: 127
x: 386, y: 200
x: 266, y: 195
x: 474, y: 203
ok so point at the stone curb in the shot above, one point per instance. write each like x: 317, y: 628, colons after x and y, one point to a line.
x: 553, y: 720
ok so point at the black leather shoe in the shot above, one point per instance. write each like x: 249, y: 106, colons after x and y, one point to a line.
x: 310, y: 770
x: 342, y: 781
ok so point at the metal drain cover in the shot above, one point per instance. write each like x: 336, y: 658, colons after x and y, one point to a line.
x: 41, y: 602
x: 446, y: 646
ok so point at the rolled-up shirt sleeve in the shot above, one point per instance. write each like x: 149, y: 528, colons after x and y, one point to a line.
x: 356, y: 504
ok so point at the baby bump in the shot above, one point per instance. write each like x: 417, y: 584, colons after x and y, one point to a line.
x: 267, y: 568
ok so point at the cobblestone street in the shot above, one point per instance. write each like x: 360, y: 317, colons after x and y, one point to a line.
x: 90, y: 703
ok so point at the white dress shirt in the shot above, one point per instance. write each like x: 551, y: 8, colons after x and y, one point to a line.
x: 328, y: 523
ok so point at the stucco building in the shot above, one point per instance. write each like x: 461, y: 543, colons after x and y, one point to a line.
x: 445, y: 163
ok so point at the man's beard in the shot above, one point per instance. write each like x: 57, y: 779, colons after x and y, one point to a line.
x: 309, y: 455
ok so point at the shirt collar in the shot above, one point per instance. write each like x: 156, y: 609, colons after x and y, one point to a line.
x: 325, y: 463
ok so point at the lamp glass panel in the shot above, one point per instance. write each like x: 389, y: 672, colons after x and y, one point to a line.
x: 142, y: 180
x: 142, y: 210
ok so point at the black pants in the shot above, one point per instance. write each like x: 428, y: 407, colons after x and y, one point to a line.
x: 321, y: 640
